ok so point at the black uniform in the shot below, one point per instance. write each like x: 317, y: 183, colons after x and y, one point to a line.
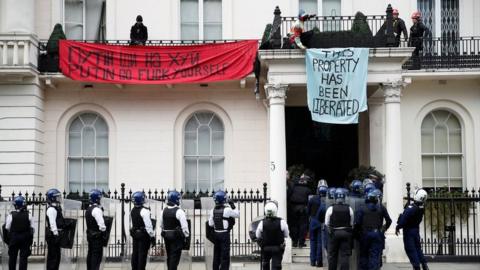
x: 399, y: 28
x: 298, y: 202
x: 141, y: 240
x: 272, y: 243
x: 21, y: 238
x: 53, y: 241
x: 416, y: 37
x: 138, y: 34
x: 340, y: 237
x: 95, y: 238
x: 221, y: 252
x: 173, y: 235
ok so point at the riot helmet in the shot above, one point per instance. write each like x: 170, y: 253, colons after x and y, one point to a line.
x: 138, y: 198
x: 174, y: 197
x: 54, y: 196
x: 19, y: 202
x: 220, y: 197
x: 95, y: 196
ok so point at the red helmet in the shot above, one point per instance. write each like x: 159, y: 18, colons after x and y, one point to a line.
x: 416, y: 15
x: 395, y: 12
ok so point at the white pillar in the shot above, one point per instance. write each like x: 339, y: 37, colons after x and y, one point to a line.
x: 17, y: 16
x: 276, y: 95
x: 392, y: 167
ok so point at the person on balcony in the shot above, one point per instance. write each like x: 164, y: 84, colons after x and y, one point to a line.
x: 138, y: 32
x: 417, y: 32
x: 271, y: 233
x: 297, y: 30
x: 20, y: 227
x: 410, y: 221
x: 174, y: 229
x: 316, y: 209
x: 142, y: 231
x: 52, y: 43
x: 399, y: 28
x: 222, y: 219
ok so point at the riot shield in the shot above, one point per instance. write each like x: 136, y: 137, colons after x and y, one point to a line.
x: 5, y: 209
x: 68, y: 235
x: 208, y: 204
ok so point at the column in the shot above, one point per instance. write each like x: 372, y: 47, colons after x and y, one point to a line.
x: 276, y: 95
x: 392, y: 92
x: 17, y: 16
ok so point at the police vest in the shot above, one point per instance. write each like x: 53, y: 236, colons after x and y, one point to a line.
x: 272, y: 234
x: 92, y: 224
x: 218, y: 219
x: 137, y: 220
x: 20, y: 222
x: 169, y: 217
x: 372, y: 218
x: 340, y: 216
x: 60, y: 221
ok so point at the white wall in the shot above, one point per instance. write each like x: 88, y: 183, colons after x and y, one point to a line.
x: 143, y: 148
x: 460, y: 97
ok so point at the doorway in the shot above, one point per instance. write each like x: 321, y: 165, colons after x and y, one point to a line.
x: 331, y: 151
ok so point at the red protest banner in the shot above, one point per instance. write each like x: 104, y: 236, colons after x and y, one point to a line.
x: 202, y: 63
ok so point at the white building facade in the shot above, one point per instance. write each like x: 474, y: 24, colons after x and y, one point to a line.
x: 422, y: 126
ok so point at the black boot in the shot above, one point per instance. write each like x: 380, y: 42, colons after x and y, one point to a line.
x: 424, y: 266
x: 416, y: 268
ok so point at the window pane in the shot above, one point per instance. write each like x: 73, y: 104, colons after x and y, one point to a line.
x: 93, y: 15
x: 455, y: 166
x: 331, y: 7
x: 441, y: 139
x: 89, y: 171
x: 74, y: 144
x: 427, y: 166
x: 88, y: 118
x: 212, y: 31
x: 217, y: 143
x: 441, y: 167
x: 204, y: 170
x: 204, y: 140
x: 102, y: 144
x: 102, y: 171
x: 74, y: 174
x: 456, y: 183
x: 73, y: 19
x: 189, y: 32
x: 453, y: 123
x: 216, y: 124
x: 212, y: 19
x: 101, y: 125
x: 204, y: 117
x: 442, y: 182
x: 190, y: 143
x: 428, y: 123
x: 218, y: 173
x: 88, y: 142
x: 192, y: 124
x: 190, y: 173
x: 76, y: 125
x: 310, y: 6
x: 189, y: 19
x: 427, y: 141
x: 455, y: 141
x: 204, y: 185
x: 428, y: 183
x: 441, y: 116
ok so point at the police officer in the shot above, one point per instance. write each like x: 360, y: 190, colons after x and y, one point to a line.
x: 316, y: 209
x: 138, y: 32
x: 271, y: 233
x: 20, y: 228
x: 96, y: 230
x: 339, y: 220
x: 142, y: 231
x: 410, y: 221
x: 298, y: 202
x: 222, y: 219
x: 370, y: 228
x: 55, y: 223
x: 174, y: 229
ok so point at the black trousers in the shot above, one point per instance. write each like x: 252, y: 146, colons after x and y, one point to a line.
x: 221, y: 251
x: 339, y: 249
x: 299, y: 224
x: 54, y: 256
x: 141, y: 245
x: 274, y: 254
x: 174, y: 251
x: 19, y: 242
x: 95, y: 254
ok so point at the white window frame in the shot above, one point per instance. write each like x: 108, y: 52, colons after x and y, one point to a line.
x: 211, y: 157
x: 84, y: 18
x: 435, y: 154
x: 201, y: 22
x: 82, y: 157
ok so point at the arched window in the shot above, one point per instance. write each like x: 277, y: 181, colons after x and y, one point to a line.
x: 204, y: 152
x: 87, y: 153
x: 442, y: 151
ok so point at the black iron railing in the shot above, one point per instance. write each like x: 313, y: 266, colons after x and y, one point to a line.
x: 249, y: 202
x: 450, y: 226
